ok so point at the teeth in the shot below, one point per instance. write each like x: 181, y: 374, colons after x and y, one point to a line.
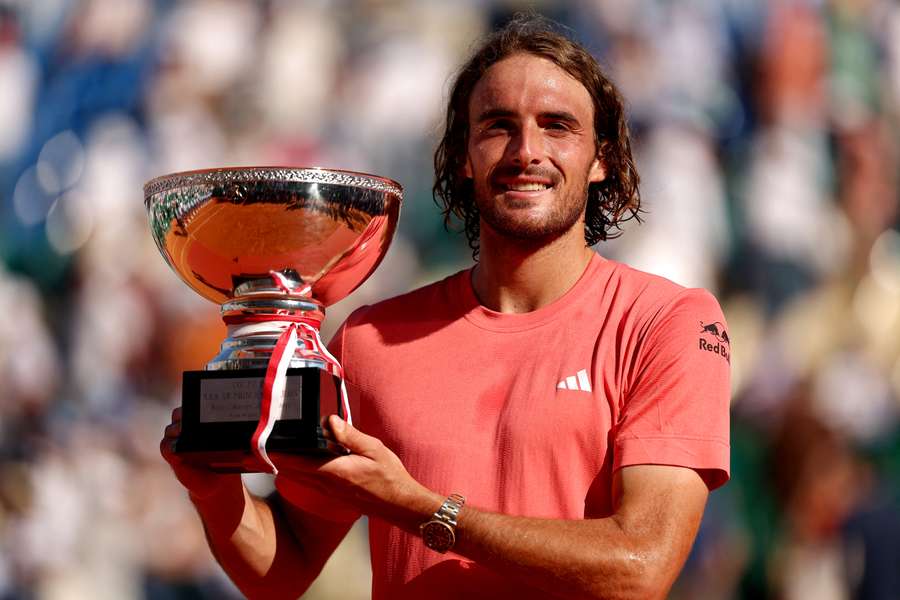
x: 527, y: 187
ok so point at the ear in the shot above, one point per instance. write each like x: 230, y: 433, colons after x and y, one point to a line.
x: 466, y: 170
x: 597, y: 172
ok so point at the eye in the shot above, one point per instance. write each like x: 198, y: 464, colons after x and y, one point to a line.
x: 500, y: 124
x: 557, y: 126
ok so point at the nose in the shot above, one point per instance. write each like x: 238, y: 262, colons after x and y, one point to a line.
x: 525, y: 146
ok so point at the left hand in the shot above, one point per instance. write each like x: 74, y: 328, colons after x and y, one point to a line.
x: 372, y: 478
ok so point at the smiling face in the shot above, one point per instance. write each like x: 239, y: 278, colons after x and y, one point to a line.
x: 531, y: 149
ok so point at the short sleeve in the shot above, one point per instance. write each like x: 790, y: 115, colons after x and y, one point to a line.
x: 676, y: 408
x: 338, y: 344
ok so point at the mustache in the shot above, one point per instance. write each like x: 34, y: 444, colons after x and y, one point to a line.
x: 539, y: 172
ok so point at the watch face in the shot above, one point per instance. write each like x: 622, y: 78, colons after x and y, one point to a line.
x: 438, y: 536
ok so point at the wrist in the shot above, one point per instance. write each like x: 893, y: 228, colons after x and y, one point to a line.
x: 418, y: 508
x: 439, y: 533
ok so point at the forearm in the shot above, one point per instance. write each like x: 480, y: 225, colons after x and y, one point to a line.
x: 255, y: 548
x: 636, y: 553
x: 269, y: 548
x: 596, y: 558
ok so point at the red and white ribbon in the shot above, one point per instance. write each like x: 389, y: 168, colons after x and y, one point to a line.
x: 334, y: 367
x: 274, y: 384
x: 288, y: 345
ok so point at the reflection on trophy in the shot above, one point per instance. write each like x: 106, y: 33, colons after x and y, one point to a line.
x: 274, y: 246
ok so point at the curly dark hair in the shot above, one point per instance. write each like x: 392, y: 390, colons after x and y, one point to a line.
x: 610, y: 202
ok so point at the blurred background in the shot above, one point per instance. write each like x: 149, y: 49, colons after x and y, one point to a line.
x: 766, y: 134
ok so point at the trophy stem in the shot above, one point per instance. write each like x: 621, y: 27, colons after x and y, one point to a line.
x: 258, y: 317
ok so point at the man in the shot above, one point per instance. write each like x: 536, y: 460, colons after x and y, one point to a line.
x: 579, y: 406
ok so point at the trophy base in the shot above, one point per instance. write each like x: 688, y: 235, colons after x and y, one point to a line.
x: 220, y: 411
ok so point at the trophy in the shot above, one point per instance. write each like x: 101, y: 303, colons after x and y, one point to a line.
x: 273, y: 246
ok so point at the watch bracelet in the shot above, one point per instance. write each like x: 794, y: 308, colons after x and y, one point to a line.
x: 450, y: 509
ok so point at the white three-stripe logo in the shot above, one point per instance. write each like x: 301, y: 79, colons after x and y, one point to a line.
x: 578, y: 381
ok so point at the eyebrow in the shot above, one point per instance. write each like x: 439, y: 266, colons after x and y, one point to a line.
x: 493, y: 113
x: 558, y: 115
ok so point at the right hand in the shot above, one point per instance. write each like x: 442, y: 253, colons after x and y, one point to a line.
x: 201, y: 483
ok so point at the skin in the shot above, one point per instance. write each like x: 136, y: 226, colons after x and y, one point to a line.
x: 530, y: 122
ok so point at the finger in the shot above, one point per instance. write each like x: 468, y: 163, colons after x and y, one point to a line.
x: 352, y: 438
x: 167, y: 448
x: 172, y: 430
x: 176, y: 414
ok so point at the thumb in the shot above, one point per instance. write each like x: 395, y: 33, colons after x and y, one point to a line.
x: 352, y: 438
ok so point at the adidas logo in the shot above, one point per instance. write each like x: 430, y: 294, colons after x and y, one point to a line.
x: 578, y: 381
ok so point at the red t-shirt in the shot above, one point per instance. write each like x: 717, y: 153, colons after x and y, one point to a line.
x: 530, y: 414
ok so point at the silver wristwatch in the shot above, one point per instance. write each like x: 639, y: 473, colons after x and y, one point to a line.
x: 439, y: 533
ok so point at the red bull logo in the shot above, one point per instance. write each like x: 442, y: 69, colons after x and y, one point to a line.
x: 716, y: 329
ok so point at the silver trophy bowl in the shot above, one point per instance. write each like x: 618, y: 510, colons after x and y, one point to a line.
x: 271, y: 245
x: 223, y: 231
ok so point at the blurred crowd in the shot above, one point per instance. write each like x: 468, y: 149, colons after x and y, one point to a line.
x: 766, y: 134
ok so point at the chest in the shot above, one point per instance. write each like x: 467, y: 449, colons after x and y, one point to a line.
x: 521, y: 411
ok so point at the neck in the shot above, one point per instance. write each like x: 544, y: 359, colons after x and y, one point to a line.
x: 513, y: 276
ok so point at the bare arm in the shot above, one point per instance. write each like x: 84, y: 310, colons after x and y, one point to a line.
x: 635, y: 553
x: 269, y: 548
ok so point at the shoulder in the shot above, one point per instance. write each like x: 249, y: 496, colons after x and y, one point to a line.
x: 674, y: 323
x: 429, y: 301
x: 654, y: 297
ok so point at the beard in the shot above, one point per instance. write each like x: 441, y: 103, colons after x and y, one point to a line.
x: 514, y: 220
